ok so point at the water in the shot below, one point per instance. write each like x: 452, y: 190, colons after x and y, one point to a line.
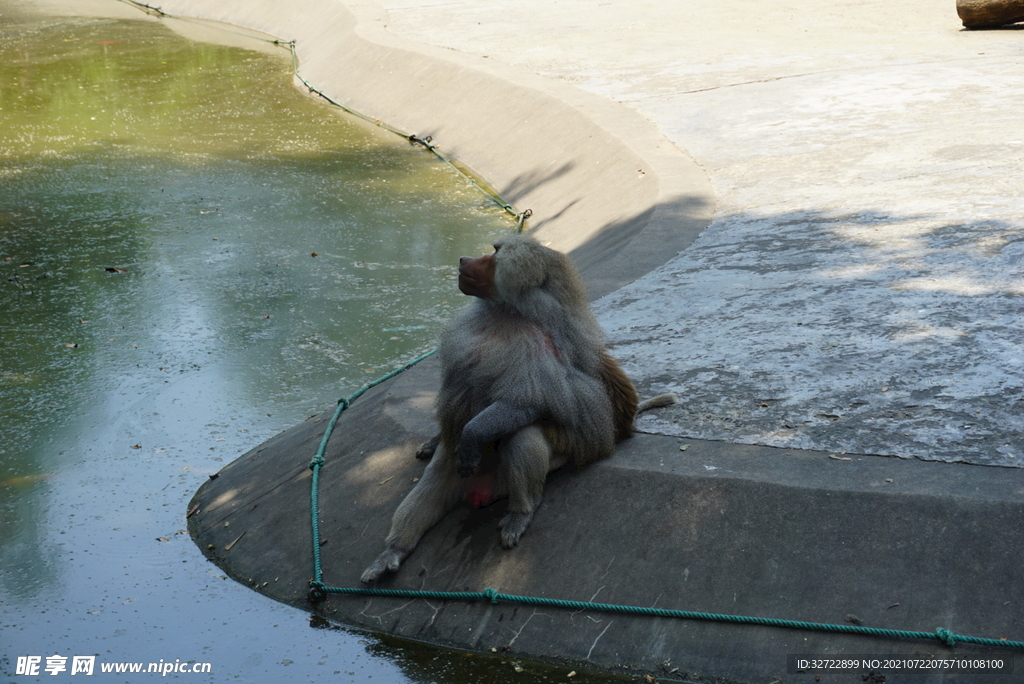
x: 195, y: 256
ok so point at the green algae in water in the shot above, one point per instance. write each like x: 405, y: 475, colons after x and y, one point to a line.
x: 249, y: 227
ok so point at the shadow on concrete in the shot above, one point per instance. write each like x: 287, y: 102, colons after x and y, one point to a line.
x: 867, y: 333
x: 527, y: 183
x: 623, y: 251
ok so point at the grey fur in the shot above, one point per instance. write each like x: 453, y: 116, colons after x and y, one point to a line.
x: 521, y: 374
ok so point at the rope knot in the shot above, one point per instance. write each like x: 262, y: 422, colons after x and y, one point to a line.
x: 520, y: 217
x: 316, y: 592
x: 491, y: 594
x: 946, y: 636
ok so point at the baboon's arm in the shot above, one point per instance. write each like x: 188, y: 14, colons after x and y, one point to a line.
x: 494, y: 422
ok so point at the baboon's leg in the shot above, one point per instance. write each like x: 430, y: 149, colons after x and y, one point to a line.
x: 435, y: 494
x: 525, y: 459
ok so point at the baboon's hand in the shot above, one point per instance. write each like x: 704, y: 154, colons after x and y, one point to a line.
x: 427, y: 449
x: 387, y: 561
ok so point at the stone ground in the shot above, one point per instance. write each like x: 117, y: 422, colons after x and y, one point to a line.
x: 860, y: 288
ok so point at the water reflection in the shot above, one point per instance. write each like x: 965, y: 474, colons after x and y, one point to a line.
x: 195, y: 256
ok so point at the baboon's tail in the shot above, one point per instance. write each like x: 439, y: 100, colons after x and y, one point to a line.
x: 657, y: 402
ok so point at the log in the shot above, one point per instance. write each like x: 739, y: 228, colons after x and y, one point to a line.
x: 989, y: 13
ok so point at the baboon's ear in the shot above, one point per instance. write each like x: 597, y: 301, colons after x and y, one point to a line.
x: 521, y: 264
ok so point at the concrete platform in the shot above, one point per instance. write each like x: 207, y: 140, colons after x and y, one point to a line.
x: 722, y: 528
x: 822, y: 536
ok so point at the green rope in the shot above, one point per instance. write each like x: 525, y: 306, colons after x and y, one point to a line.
x: 318, y: 591
x: 148, y: 9
x: 426, y: 142
x: 318, y: 462
x: 944, y: 635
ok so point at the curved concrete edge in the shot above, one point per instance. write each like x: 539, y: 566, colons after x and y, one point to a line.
x: 604, y: 185
x: 717, y: 527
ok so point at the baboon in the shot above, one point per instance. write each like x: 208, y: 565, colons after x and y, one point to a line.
x: 526, y: 387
